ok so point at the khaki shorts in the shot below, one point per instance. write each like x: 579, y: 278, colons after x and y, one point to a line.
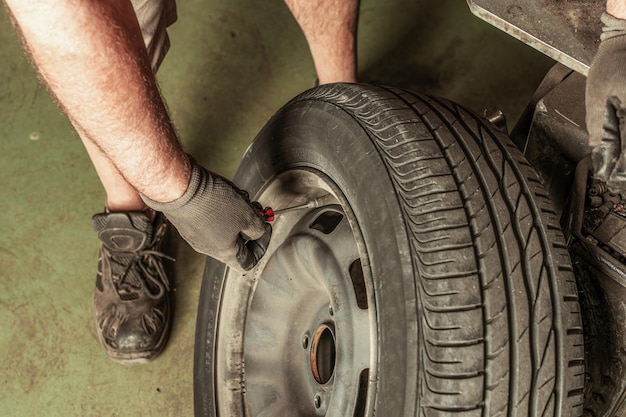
x: 154, y: 17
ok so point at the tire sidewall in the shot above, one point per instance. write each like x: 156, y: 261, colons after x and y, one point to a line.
x: 322, y: 137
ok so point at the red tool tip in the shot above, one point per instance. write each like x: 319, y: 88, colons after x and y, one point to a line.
x: 267, y: 213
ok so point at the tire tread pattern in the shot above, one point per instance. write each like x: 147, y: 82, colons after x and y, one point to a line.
x: 497, y: 299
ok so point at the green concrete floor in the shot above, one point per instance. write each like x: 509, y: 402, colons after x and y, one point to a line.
x: 232, y: 65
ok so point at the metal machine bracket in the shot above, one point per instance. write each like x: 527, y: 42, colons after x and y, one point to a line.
x: 567, y: 31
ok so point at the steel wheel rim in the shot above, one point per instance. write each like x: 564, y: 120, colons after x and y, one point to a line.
x: 297, y: 336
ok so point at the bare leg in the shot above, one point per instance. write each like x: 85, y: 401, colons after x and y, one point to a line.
x: 87, y: 49
x: 330, y: 29
x: 120, y: 195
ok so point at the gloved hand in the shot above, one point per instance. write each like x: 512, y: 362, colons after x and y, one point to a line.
x: 605, y: 101
x: 218, y: 219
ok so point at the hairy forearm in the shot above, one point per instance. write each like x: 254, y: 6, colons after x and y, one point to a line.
x: 92, y: 56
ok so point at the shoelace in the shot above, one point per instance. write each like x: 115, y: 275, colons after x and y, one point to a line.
x: 153, y: 272
x: 149, y: 257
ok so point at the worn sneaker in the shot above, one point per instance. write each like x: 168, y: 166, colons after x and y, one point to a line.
x: 132, y: 299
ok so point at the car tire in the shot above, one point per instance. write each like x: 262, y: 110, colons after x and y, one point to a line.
x: 424, y: 274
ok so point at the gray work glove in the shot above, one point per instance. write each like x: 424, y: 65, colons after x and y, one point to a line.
x: 218, y: 219
x: 605, y: 101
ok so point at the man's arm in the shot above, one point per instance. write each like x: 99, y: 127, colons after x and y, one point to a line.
x: 92, y: 56
x: 605, y: 100
x: 617, y: 8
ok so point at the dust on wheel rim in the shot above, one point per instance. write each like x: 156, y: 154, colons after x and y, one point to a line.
x: 297, y: 336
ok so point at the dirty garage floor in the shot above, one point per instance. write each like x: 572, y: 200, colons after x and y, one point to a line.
x: 232, y: 65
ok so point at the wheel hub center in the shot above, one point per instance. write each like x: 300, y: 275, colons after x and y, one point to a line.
x: 323, y: 354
